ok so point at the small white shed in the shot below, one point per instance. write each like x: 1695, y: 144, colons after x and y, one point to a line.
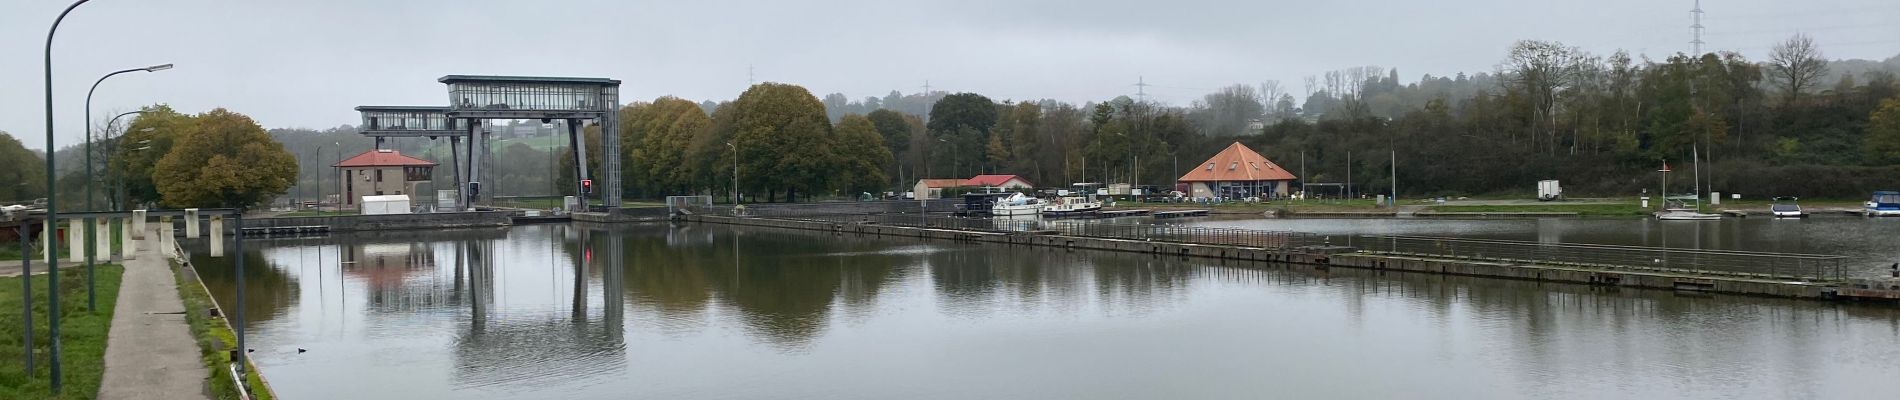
x: 386, y: 204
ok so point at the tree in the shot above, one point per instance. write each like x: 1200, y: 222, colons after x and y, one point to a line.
x: 22, y: 172
x: 960, y: 124
x: 223, y: 160
x: 861, y: 155
x: 1883, y: 131
x: 666, y: 130
x: 783, y: 138
x: 1228, y: 111
x: 1796, y: 65
x: 1541, y: 70
x: 148, y: 138
x: 896, y: 132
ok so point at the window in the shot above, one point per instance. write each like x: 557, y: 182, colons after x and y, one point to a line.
x: 379, y: 176
x: 1232, y: 166
x: 1210, y: 166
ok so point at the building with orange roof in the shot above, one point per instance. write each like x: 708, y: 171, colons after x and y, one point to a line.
x: 382, y: 172
x: 1237, y: 172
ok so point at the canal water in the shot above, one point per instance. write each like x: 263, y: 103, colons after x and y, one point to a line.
x: 710, y: 311
x: 1872, y: 244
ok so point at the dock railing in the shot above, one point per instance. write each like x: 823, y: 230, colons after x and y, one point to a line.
x: 1805, y: 267
x: 1761, y: 265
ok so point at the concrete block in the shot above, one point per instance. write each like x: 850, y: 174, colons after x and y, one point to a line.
x: 191, y: 223
x: 128, y: 243
x: 138, y: 224
x: 101, y: 238
x: 75, y: 239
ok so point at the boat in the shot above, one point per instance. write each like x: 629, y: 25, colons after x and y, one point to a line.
x: 1785, y: 207
x: 1885, y: 203
x: 1017, y: 204
x: 1675, y: 210
x: 1072, y: 205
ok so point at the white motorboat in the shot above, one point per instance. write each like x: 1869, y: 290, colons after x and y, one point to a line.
x: 1072, y: 205
x: 1885, y: 203
x: 1017, y: 204
x: 1786, y: 207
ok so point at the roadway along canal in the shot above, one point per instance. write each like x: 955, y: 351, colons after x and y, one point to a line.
x: 712, y: 311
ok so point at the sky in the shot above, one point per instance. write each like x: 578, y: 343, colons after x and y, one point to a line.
x: 306, y: 64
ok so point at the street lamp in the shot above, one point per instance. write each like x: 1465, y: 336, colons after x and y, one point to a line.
x: 95, y: 87
x: 111, y: 174
x: 52, y: 210
x: 735, y: 172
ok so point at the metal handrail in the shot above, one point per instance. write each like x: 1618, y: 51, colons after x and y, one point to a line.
x: 1808, y: 267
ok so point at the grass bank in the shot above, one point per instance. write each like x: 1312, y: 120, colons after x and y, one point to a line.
x: 82, y: 335
x: 214, y: 337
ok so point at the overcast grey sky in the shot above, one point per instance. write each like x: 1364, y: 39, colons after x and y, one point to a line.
x: 307, y: 63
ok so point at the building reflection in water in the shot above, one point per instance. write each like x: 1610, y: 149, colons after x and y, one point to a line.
x: 525, y: 347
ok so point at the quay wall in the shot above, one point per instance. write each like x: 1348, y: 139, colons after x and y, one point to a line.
x: 1635, y: 279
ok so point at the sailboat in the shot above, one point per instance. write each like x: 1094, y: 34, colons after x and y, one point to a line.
x: 1677, y: 211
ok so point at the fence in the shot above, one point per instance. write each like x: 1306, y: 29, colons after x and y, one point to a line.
x: 1660, y: 259
x: 1634, y: 258
x: 1099, y: 229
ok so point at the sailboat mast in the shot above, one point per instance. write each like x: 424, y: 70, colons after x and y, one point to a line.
x: 1697, y: 156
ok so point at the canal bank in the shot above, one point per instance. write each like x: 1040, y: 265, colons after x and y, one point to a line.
x: 1303, y: 251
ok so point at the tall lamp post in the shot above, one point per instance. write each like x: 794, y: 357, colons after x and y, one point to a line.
x: 735, y: 172
x: 52, y: 208
x: 117, y: 180
x: 95, y: 87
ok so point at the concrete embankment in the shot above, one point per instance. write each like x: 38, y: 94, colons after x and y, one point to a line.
x: 1332, y: 256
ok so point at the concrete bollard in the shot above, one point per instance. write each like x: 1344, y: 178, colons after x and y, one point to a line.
x: 191, y: 223
x: 128, y: 245
x: 46, y: 242
x: 217, y: 237
x: 75, y: 240
x: 165, y: 240
x: 102, y: 238
x: 138, y: 224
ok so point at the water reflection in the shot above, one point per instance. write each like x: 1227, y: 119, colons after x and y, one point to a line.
x: 676, y: 311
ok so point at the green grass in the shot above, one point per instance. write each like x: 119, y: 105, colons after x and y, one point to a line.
x: 214, y: 338
x: 82, y: 335
x: 1579, y: 209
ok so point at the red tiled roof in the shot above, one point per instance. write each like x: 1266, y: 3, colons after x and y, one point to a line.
x: 1237, y: 163
x: 993, y: 180
x: 383, y: 158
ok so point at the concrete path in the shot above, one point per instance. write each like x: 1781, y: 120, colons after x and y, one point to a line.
x: 150, y: 353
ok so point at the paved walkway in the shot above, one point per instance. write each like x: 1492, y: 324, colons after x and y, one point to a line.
x: 150, y: 353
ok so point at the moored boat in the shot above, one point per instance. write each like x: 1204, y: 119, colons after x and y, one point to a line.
x: 1786, y: 207
x: 1072, y: 205
x: 1017, y: 204
x: 1885, y: 203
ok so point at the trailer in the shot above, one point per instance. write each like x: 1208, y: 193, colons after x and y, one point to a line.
x: 1549, y: 190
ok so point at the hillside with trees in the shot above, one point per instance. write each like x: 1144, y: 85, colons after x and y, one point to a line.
x: 1793, y: 124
